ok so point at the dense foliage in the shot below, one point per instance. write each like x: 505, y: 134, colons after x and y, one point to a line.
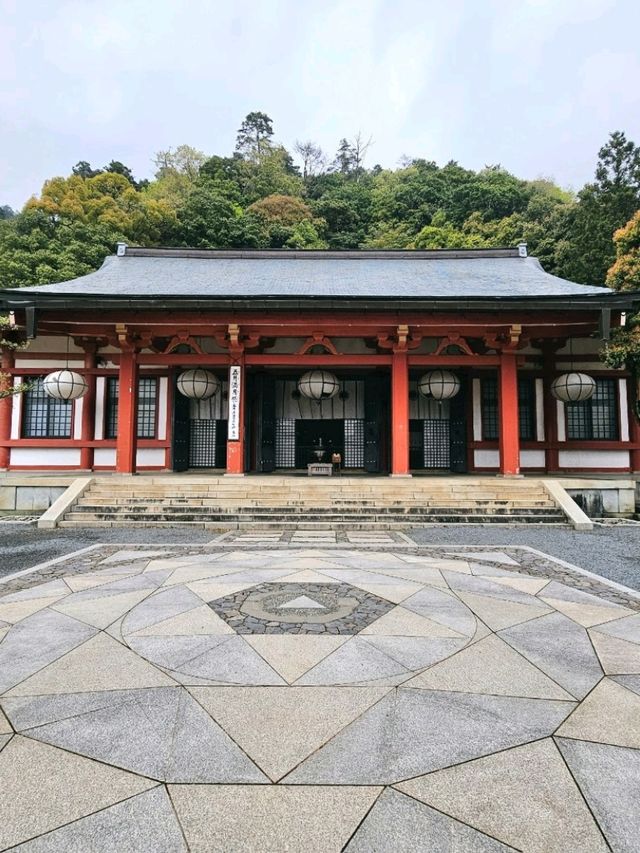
x: 260, y: 197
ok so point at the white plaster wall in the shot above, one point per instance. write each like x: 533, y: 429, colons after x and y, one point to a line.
x: 594, y: 459
x: 101, y: 390
x: 78, y: 407
x: 486, y: 458
x: 623, y: 402
x: 163, y: 409
x: 560, y: 420
x: 16, y: 410
x: 50, y: 363
x: 152, y: 456
x: 45, y: 456
x: 476, y: 395
x: 104, y: 456
x: 532, y: 459
x: 54, y: 344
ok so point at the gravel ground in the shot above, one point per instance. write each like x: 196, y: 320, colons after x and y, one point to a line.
x: 610, y: 551
x: 613, y: 552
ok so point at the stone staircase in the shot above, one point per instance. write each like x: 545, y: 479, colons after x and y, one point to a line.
x: 282, y: 503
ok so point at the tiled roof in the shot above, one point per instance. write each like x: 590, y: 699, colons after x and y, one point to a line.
x: 475, y: 274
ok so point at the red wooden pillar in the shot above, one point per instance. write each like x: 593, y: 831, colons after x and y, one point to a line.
x: 6, y: 406
x: 509, y: 427
x: 634, y: 424
x: 126, y: 447
x: 400, y: 415
x: 235, y: 422
x: 88, y: 408
x: 552, y: 457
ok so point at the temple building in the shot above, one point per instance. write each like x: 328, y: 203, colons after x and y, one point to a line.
x: 386, y: 362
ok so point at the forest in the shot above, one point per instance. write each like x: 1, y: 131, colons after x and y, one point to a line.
x: 263, y: 195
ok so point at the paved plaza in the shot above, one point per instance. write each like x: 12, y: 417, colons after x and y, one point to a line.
x: 369, y: 695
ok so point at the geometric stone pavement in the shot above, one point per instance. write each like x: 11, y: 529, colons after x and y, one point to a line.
x: 370, y: 700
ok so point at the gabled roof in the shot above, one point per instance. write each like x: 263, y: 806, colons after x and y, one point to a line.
x: 465, y: 276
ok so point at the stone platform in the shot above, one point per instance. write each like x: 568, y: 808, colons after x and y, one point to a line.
x: 255, y: 697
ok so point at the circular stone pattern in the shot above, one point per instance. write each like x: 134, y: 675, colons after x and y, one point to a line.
x: 334, y: 632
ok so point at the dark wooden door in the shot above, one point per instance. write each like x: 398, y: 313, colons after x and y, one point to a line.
x: 181, y: 431
x: 265, y: 397
x: 458, y: 429
x: 375, y: 397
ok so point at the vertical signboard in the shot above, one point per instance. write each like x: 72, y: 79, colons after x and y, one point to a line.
x: 235, y: 380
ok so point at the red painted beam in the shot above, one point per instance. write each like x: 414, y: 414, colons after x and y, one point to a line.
x: 6, y: 406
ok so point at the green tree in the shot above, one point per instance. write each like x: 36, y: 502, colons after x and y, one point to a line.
x: 586, y: 250
x: 254, y: 136
x: 287, y: 221
x: 212, y: 219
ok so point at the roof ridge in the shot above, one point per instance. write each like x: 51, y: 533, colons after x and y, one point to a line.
x: 331, y: 254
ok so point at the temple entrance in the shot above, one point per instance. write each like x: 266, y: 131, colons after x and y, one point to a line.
x: 291, y: 431
x: 438, y: 431
x: 200, y: 431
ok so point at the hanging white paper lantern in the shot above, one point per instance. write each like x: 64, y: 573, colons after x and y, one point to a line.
x: 573, y: 387
x: 64, y: 385
x: 423, y: 385
x: 318, y: 385
x: 442, y: 384
x: 198, y: 384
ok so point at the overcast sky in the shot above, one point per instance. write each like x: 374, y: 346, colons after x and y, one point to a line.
x: 535, y: 85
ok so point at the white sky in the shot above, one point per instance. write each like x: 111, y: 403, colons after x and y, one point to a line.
x: 535, y: 85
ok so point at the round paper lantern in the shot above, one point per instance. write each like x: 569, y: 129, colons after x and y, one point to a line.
x: 64, y: 385
x: 573, y: 387
x: 198, y: 384
x: 442, y: 384
x: 423, y: 385
x: 318, y: 385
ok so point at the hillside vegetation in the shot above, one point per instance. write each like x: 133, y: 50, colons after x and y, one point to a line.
x: 262, y: 195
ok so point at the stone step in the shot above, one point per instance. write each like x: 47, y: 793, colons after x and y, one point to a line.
x: 349, y: 525
x: 270, y: 511
x: 91, y: 500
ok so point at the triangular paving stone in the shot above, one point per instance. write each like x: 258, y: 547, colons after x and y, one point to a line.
x: 394, y: 592
x: 583, y: 607
x: 5, y: 727
x: 101, y: 612
x: 200, y: 620
x: 416, y: 652
x: 50, y: 589
x: 616, y: 656
x: 302, y: 602
x: 16, y: 611
x: 401, y: 824
x: 631, y: 682
x: 48, y: 787
x: 172, y: 651
x: 412, y: 732
x: 145, y: 823
x: 501, y: 613
x: 163, y: 734
x: 443, y: 608
x: 306, y: 576
x: 559, y: 647
x: 489, y: 666
x: 609, y: 777
x: 270, y: 817
x: 133, y: 583
x: 28, y: 712
x: 196, y: 572
x: 291, y: 655
x: 355, y: 661
x: 161, y: 606
x: 488, y: 587
x: 401, y: 622
x: 99, y: 664
x: 80, y: 583
x: 627, y: 629
x: 37, y: 641
x: 211, y: 590
x: 609, y: 714
x: 486, y: 570
x: 4, y: 740
x: 489, y: 556
x: 234, y: 662
x: 421, y: 575
x: 278, y: 727
x: 524, y: 796
x: 126, y: 556
x: 529, y: 585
